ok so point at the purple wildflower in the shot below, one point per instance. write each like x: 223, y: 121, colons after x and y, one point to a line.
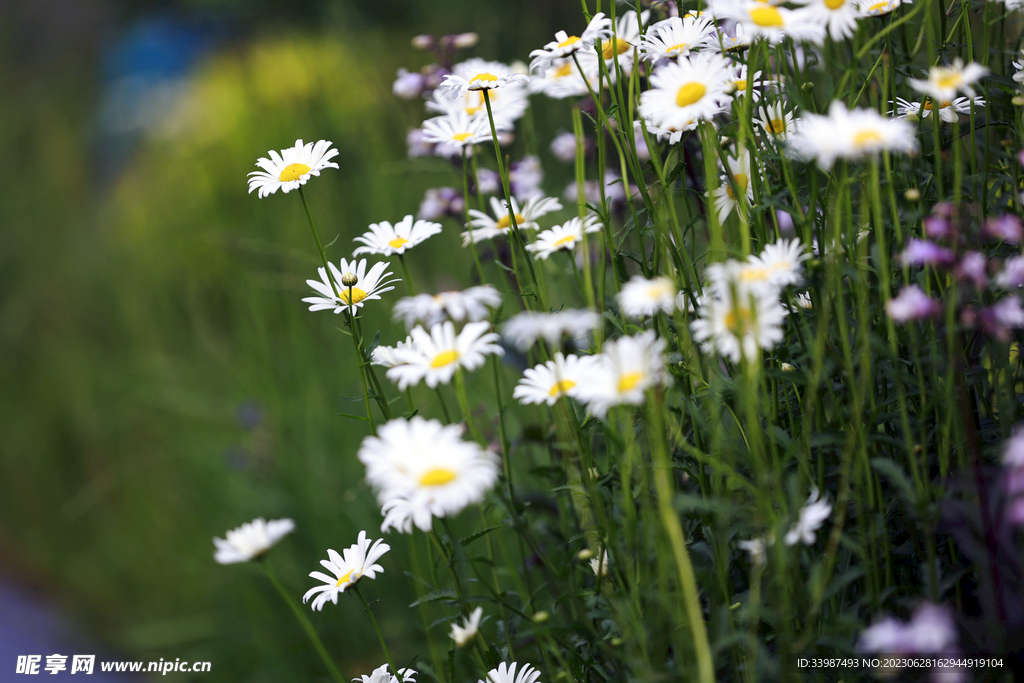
x: 912, y: 304
x: 925, y: 253
x: 1007, y: 228
x: 973, y: 267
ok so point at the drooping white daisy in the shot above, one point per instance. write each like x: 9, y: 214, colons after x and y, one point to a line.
x: 382, y: 674
x: 525, y: 328
x: 386, y: 239
x: 430, y: 309
x: 390, y: 356
x: 468, y: 630
x: 877, y: 8
x: 676, y: 36
x: 625, y: 39
x: 949, y: 110
x: 564, y: 236
x: 760, y: 19
x: 508, y: 102
x: 423, y: 469
x: 292, y: 167
x: 725, y: 193
x: 775, y: 120
x: 627, y: 367
x: 778, y: 265
x: 944, y: 82
x: 336, y: 292
x: 812, y: 515
x: 548, y: 382
x: 736, y: 321
x: 456, y: 86
x: 359, y: 561
x: 506, y: 673
x: 484, y: 227
x: 692, y: 89
x: 849, y: 134
x: 455, y: 130
x: 435, y: 356
x: 641, y: 297
x: 840, y: 16
x: 564, y: 45
x: 251, y: 540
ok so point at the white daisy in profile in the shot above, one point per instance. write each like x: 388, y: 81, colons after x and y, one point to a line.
x: 691, y: 89
x: 599, y: 564
x: 292, y: 167
x: 624, y: 40
x: 456, y: 86
x: 564, y: 80
x: 1018, y: 77
x: 738, y: 40
x: 435, y: 356
x: 509, y: 101
x: 736, y: 321
x: 564, y: 45
x: 455, y: 130
x: 336, y: 293
x: 840, y: 16
x: 563, y: 237
x: 944, y: 82
x: 390, y: 356
x: 849, y: 134
x: 626, y: 368
x: 425, y: 469
x: 949, y: 110
x: 738, y: 82
x: 469, y: 628
x: 251, y: 540
x: 387, y: 239
x: 812, y: 515
x: 779, y: 265
x: 430, y: 309
x: 524, y: 329
x: 554, y: 379
x: 382, y: 674
x: 775, y: 120
x: 641, y: 297
x: 726, y: 192
x: 760, y: 19
x: 670, y: 134
x: 483, y: 227
x: 676, y: 37
x: 506, y: 673
x: 877, y: 8
x: 359, y: 561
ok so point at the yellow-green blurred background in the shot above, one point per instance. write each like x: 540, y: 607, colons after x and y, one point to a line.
x: 161, y: 381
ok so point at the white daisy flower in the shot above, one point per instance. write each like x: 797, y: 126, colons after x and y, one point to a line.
x: 739, y: 39
x: 944, y: 82
x: 760, y: 19
x: 564, y: 80
x: 877, y: 8
x: 849, y: 134
x: 550, y: 381
x: 627, y: 367
x: 506, y: 673
x: 670, y: 134
x: 455, y: 86
x: 778, y: 265
x: 430, y: 309
x: 641, y: 297
x: 840, y: 16
x: 599, y: 564
x: 622, y: 43
x: 387, y: 239
x: 756, y: 548
x: 1019, y: 66
x: 455, y: 130
x: 435, y: 356
x: 564, y: 45
x: 564, y: 236
x: 359, y: 561
x: 676, y: 37
x: 775, y: 120
x: 291, y: 167
x: 470, y: 625
x: 508, y: 102
x: 484, y: 227
x: 425, y: 469
x: 725, y: 195
x: 525, y: 328
x: 390, y: 356
x: 692, y: 89
x: 382, y: 674
x: 738, y: 82
x: 812, y: 515
x: 949, y: 110
x: 335, y: 292
x: 251, y: 540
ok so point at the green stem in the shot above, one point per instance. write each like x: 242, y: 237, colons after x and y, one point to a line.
x: 380, y: 636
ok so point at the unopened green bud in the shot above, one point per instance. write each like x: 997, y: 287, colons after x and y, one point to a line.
x: 540, y: 617
x: 349, y: 279
x: 585, y: 554
x: 1018, y: 100
x: 912, y: 195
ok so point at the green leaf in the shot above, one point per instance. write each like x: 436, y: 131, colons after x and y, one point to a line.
x: 478, y: 535
x: 895, y: 474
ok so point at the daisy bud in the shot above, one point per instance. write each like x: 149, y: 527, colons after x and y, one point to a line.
x: 541, y: 616
x: 786, y: 367
x: 424, y: 42
x: 349, y: 279
x: 1018, y: 101
x: 912, y: 304
x: 464, y: 40
x: 808, y: 86
x: 925, y: 253
x: 912, y: 195
x: 1007, y: 228
x: 585, y: 554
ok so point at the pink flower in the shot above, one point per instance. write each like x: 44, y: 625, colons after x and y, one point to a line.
x: 1007, y: 228
x: 925, y: 253
x: 937, y: 227
x: 972, y: 267
x: 912, y: 304
x: 1013, y: 273
x: 1002, y: 317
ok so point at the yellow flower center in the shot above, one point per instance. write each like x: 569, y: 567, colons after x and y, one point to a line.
x: 865, y: 138
x: 878, y: 6
x: 444, y: 358
x: 562, y: 387
x: 504, y: 223
x: 614, y: 47
x: 690, y: 93
x: 398, y: 243
x: 948, y: 79
x: 741, y: 182
x: 629, y: 380
x: 356, y: 293
x: 569, y: 41
x: 741, y: 84
x: 345, y: 579
x: 461, y: 137
x: 677, y: 46
x: 777, y: 126
x: 563, y: 70
x: 944, y: 104
x: 569, y: 239
x: 293, y: 172
x: 439, y: 476
x: 766, y: 16
x: 479, y: 97
x: 834, y: 4
x: 738, y: 319
x: 486, y: 77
